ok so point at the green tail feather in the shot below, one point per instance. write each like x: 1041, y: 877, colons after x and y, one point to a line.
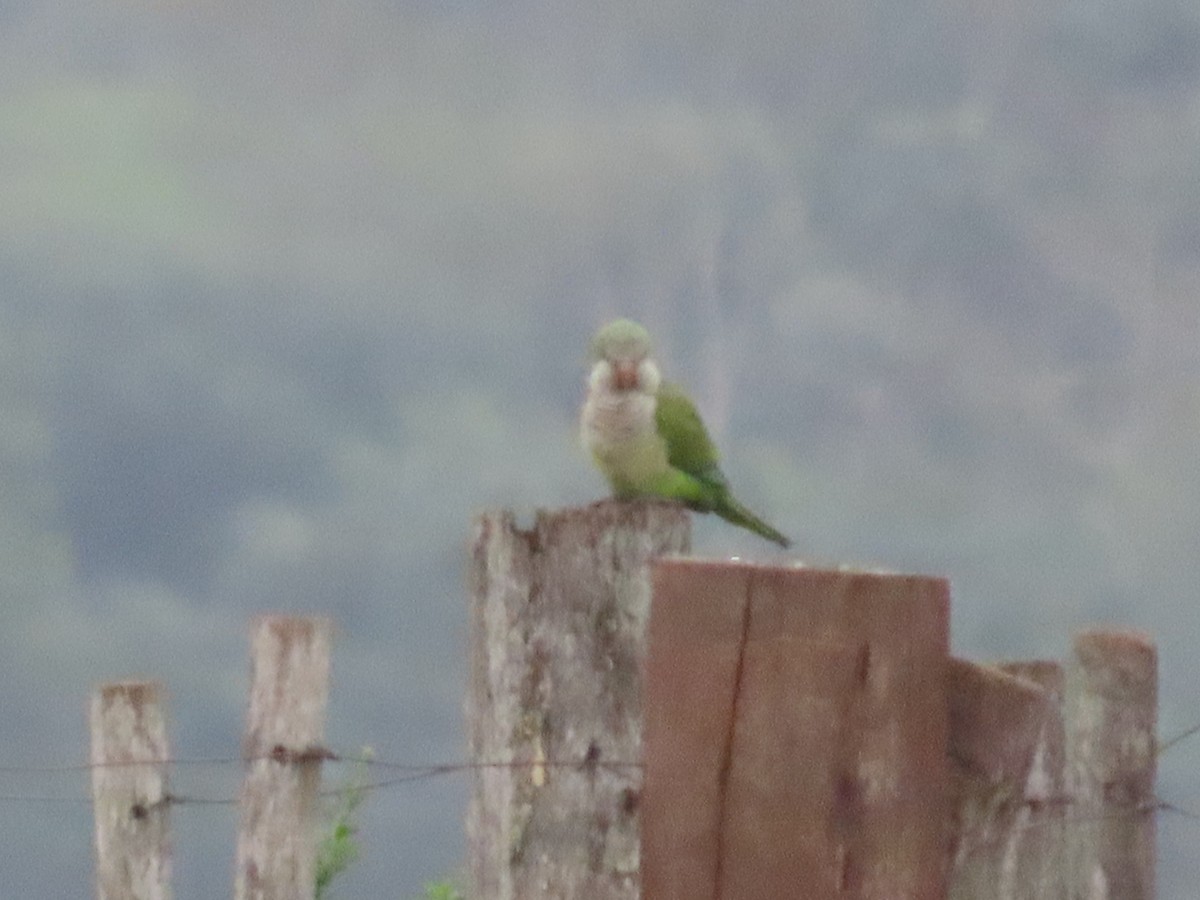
x: 732, y: 511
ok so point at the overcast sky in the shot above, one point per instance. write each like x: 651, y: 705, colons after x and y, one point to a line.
x: 289, y: 291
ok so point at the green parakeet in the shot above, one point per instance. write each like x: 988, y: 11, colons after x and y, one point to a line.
x: 646, y: 436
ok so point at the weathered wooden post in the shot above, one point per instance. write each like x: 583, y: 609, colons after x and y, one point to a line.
x: 558, y: 618
x: 129, y: 792
x: 1006, y: 764
x: 1111, y: 710
x: 796, y: 734
x: 1054, y: 776
x: 282, y: 746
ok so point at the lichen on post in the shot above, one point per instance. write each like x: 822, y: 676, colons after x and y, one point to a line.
x: 1111, y: 712
x: 558, y: 623
x: 283, y: 749
x: 129, y: 758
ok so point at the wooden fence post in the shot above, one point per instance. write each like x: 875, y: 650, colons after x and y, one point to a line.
x: 129, y: 792
x: 1111, y: 709
x: 282, y: 746
x: 558, y: 618
x: 1040, y: 824
x: 796, y: 734
x: 1006, y: 763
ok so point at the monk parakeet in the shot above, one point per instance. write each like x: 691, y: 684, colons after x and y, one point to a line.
x: 646, y: 436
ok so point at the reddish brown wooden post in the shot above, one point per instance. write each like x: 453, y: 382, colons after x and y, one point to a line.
x: 795, y: 736
x: 285, y: 727
x: 1006, y: 760
x: 1111, y: 709
x: 1040, y: 829
x: 558, y: 617
x: 129, y: 792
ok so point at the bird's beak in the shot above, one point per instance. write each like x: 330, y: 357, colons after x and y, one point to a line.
x: 625, y: 375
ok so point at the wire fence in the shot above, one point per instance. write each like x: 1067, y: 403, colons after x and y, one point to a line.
x: 1020, y: 748
x: 404, y: 772
x: 409, y: 772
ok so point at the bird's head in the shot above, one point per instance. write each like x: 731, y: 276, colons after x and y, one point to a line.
x: 621, y: 360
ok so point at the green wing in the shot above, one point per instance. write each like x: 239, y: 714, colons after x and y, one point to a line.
x: 689, y: 448
x: 694, y: 476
